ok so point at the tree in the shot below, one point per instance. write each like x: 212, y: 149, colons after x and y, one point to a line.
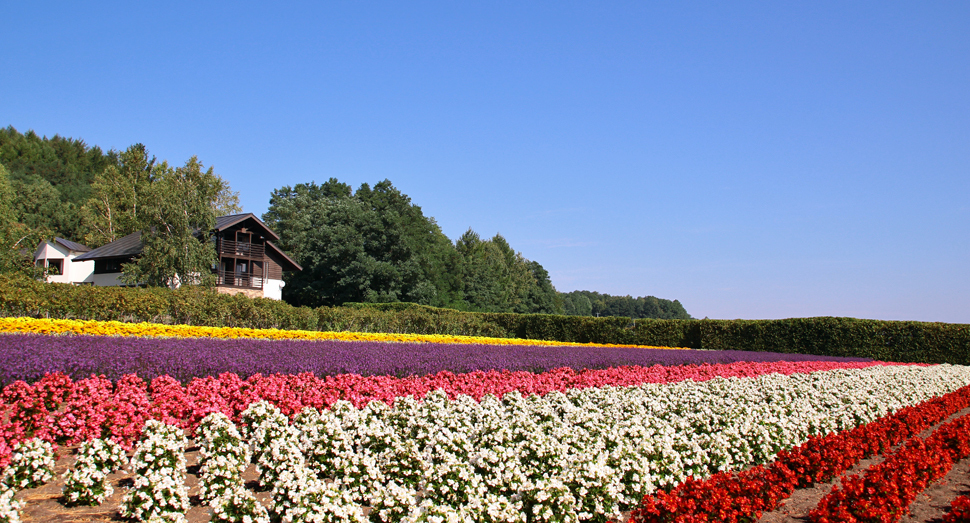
x: 177, y: 228
x: 37, y: 204
x: 541, y: 297
x: 51, y: 178
x: 587, y: 303
x: 483, y: 271
x: 119, y: 196
x: 227, y: 200
x: 373, y: 245
x: 17, y: 241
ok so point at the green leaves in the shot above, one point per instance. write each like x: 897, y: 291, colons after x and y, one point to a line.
x: 372, y: 246
x: 177, y: 222
x: 17, y: 240
x: 119, y: 196
x: 376, y: 246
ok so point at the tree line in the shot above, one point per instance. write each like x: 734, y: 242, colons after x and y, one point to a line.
x: 589, y: 303
x: 371, y: 244
x: 62, y: 187
x: 375, y: 245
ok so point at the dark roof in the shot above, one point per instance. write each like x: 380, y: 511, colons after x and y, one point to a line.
x: 72, y: 246
x: 224, y: 222
x: 285, y: 257
x: 128, y: 246
x: 131, y: 245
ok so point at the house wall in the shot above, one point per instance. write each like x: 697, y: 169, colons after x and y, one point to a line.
x: 79, y: 271
x: 273, y: 289
x: 71, y: 271
x: 252, y: 293
x: 111, y: 279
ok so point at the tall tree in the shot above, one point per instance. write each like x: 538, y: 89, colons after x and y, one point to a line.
x: 541, y: 297
x: 177, y: 228
x: 483, y: 272
x: 118, y: 197
x: 607, y: 305
x: 373, y: 245
x: 17, y: 241
x: 51, y: 178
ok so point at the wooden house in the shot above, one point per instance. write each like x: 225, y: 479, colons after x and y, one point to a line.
x: 249, y: 262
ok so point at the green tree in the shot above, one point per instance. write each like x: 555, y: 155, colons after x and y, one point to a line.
x: 177, y: 228
x: 227, y: 200
x: 17, y: 241
x: 588, y: 303
x: 373, y: 245
x: 37, y: 204
x: 51, y: 178
x: 119, y: 196
x: 496, y: 278
x: 541, y: 297
x: 483, y: 274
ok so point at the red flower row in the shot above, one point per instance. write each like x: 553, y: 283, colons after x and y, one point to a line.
x: 745, y: 495
x: 885, y: 491
x: 959, y: 511
x: 60, y: 410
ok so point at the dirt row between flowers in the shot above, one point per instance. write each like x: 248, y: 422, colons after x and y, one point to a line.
x: 929, y: 507
x: 45, y: 503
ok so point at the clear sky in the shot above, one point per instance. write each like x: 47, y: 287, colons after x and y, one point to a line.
x: 752, y: 160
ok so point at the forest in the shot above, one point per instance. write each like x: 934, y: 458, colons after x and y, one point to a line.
x: 371, y: 244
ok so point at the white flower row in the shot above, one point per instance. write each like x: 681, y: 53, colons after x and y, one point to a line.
x: 9, y: 506
x: 223, y: 457
x: 159, y: 492
x: 31, y: 465
x: 87, y: 483
x: 586, y: 454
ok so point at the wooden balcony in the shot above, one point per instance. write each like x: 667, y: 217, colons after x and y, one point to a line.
x: 239, y: 279
x: 253, y: 251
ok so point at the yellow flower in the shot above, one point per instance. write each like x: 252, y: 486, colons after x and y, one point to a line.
x: 117, y: 328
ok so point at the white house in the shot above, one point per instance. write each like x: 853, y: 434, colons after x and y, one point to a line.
x: 249, y: 262
x: 59, y: 258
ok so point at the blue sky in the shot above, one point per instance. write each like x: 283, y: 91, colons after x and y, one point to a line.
x: 752, y: 160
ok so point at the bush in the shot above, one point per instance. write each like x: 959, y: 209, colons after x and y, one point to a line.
x: 906, y: 341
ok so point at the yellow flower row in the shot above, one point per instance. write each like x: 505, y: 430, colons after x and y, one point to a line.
x: 117, y: 328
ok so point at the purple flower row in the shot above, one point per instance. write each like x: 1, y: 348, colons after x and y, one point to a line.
x: 28, y: 356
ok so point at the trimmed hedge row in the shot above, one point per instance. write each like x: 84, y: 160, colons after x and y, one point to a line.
x: 908, y: 341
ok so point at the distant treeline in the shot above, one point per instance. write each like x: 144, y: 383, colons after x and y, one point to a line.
x: 371, y: 245
x: 589, y: 303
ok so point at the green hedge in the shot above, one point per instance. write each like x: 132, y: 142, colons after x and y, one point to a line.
x: 907, y: 341
x: 188, y: 305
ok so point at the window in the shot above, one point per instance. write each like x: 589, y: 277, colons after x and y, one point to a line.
x: 55, y: 266
x: 108, y: 266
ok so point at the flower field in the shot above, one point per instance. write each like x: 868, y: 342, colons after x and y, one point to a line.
x: 117, y: 328
x: 402, y: 431
x: 28, y: 356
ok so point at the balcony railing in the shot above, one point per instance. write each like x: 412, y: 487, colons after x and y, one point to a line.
x: 238, y: 279
x: 240, y: 249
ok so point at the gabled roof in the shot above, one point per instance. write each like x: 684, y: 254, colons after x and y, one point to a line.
x: 128, y: 246
x: 131, y: 245
x: 224, y: 222
x: 72, y: 246
x: 284, y: 256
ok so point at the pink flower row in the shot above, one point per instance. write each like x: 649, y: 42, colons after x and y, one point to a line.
x: 60, y: 410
